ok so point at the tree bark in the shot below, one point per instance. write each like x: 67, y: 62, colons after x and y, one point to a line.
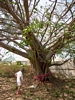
x: 43, y: 72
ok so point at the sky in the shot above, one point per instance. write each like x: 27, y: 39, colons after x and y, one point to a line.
x: 6, y: 55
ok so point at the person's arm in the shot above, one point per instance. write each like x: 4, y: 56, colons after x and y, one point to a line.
x: 21, y: 80
x: 15, y: 74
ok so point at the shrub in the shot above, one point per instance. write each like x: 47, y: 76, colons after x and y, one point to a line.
x: 8, y: 70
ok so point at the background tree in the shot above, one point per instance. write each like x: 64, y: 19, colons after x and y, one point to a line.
x: 37, y: 32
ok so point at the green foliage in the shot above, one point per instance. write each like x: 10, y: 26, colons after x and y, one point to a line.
x: 58, y: 51
x: 67, y: 34
x: 41, y: 7
x: 70, y: 85
x: 57, y: 94
x: 24, y: 43
x: 35, y: 24
x: 68, y: 91
x: 19, y: 63
x: 48, y: 23
x: 6, y: 15
x: 47, y: 14
x: 72, y: 28
x: 35, y: 9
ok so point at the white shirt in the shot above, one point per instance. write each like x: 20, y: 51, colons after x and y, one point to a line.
x: 19, y: 75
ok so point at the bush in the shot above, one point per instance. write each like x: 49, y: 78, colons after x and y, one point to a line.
x: 8, y: 70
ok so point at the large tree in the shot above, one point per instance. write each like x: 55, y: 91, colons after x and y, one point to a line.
x: 37, y: 32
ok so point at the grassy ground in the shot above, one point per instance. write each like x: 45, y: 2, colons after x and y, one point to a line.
x: 58, y: 89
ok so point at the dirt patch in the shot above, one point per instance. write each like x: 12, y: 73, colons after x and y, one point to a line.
x: 57, y: 90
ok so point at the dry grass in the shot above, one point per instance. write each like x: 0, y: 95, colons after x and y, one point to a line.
x: 8, y: 69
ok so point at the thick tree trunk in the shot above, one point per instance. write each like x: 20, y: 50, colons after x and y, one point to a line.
x: 43, y: 72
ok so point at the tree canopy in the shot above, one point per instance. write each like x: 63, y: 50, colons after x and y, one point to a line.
x: 37, y: 32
